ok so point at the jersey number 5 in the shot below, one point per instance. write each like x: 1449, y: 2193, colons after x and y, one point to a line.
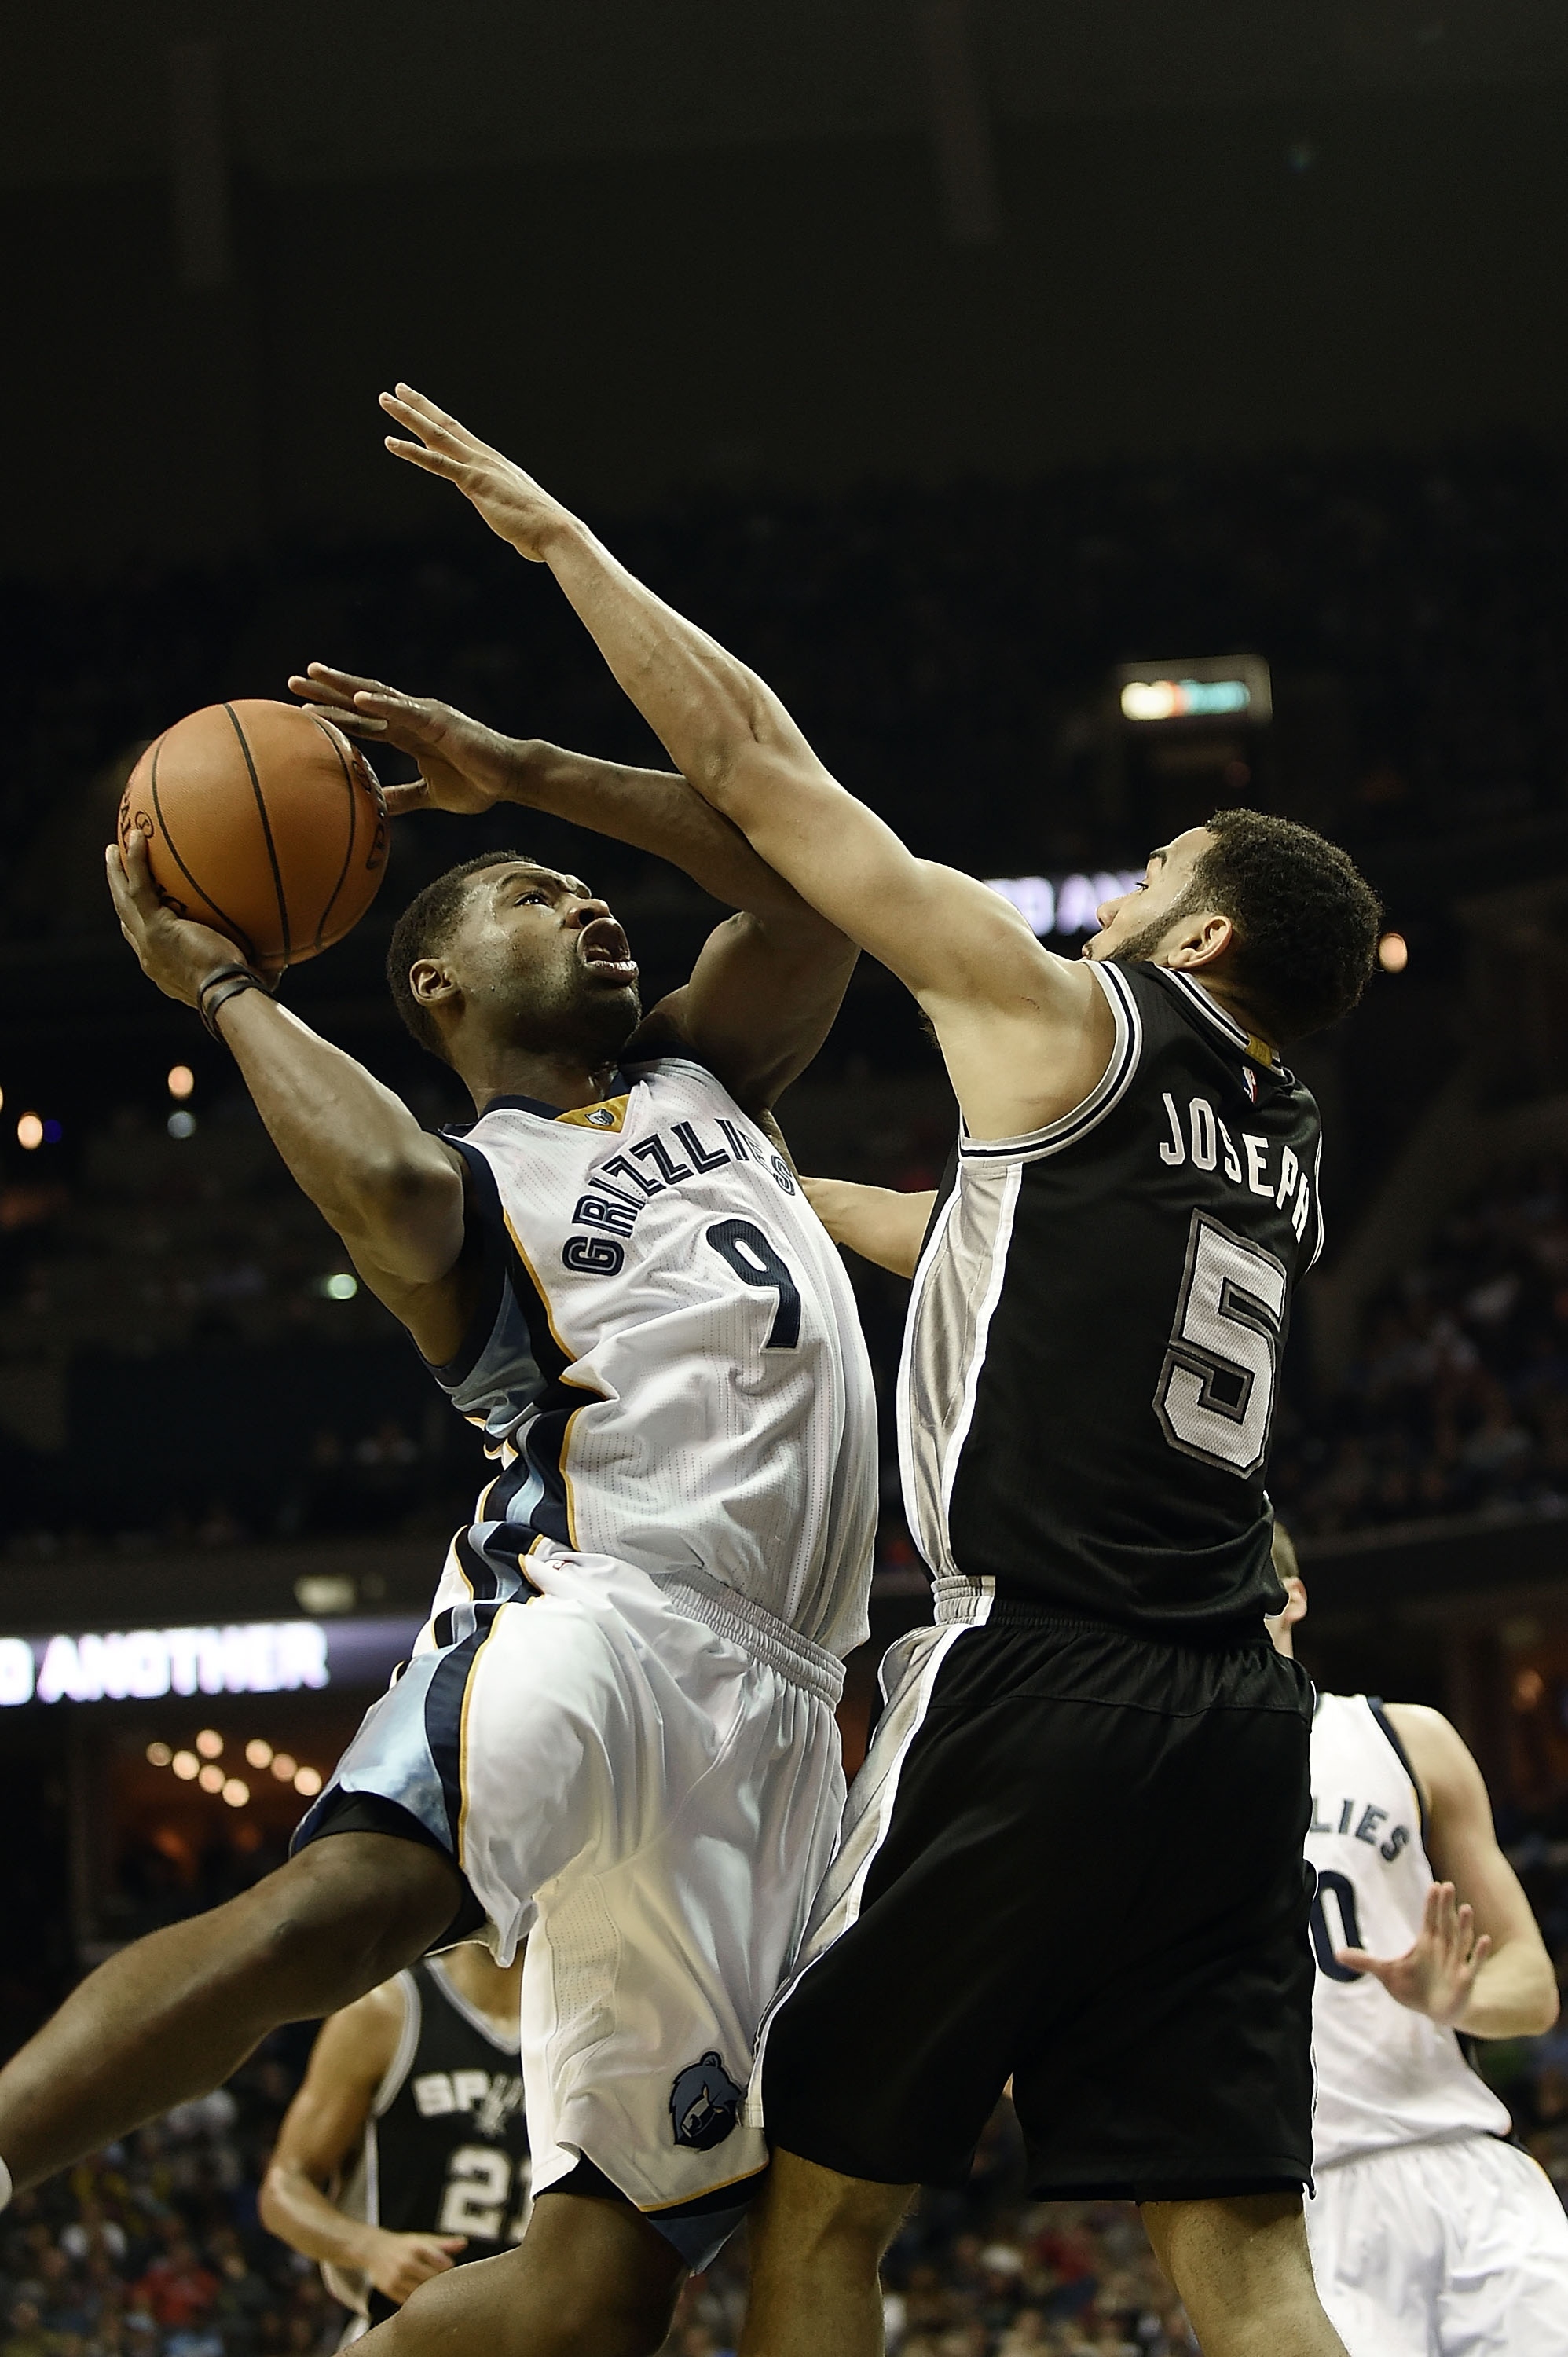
x: 1216, y: 1394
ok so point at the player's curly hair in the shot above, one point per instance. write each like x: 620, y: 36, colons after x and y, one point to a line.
x: 422, y: 930
x: 1306, y: 921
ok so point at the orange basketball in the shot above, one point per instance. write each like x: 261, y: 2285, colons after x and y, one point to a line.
x: 264, y: 821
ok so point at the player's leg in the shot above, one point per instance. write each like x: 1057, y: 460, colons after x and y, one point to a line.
x: 1379, y: 2233
x: 816, y: 2243
x: 1505, y: 2284
x: 173, y: 2015
x: 883, y: 2061
x: 1244, y: 2276
x: 589, y: 2276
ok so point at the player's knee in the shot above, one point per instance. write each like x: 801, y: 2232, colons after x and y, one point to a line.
x: 548, y: 2313
x: 346, y: 1912
x: 806, y: 2207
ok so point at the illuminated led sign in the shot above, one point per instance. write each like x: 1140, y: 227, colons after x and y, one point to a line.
x: 1205, y: 687
x: 1065, y: 905
x: 1183, y: 699
x: 247, y: 1657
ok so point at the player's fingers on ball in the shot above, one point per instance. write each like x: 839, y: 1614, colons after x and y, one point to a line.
x: 401, y: 800
x: 385, y: 705
x: 136, y: 873
x: 353, y: 722
x: 347, y: 683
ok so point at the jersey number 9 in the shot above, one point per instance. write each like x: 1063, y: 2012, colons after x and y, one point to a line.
x: 742, y: 1243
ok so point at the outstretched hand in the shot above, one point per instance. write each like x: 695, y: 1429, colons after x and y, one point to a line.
x: 463, y: 765
x: 1437, y: 1976
x: 511, y: 502
x: 174, y: 951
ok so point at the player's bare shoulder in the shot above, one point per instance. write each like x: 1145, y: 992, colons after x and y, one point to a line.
x: 1437, y: 1754
x: 1029, y: 1045
x: 359, y: 2042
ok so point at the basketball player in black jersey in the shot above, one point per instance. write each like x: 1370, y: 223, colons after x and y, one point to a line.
x: 1075, y: 1851
x: 405, y: 2151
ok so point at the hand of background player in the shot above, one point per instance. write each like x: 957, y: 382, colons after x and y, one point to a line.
x: 463, y: 765
x: 1437, y: 1976
x: 512, y: 503
x: 397, y: 2264
x: 174, y: 951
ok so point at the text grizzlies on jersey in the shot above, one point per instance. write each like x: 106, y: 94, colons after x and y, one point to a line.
x: 612, y: 1212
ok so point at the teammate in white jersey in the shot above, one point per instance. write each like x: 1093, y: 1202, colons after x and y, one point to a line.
x: 616, y: 1733
x: 1431, y: 2236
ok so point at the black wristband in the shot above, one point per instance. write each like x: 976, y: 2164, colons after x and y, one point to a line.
x: 219, y: 988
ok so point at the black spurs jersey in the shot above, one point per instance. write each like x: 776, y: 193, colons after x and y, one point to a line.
x: 446, y: 2147
x: 1094, y: 1337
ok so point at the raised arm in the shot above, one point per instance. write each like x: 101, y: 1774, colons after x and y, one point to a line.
x: 878, y: 1223
x: 1026, y: 1035
x: 768, y: 983
x: 394, y: 1193
x: 1479, y: 1964
x: 321, y: 2129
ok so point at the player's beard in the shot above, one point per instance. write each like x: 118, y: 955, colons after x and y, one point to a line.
x: 585, y: 1020
x: 1144, y: 946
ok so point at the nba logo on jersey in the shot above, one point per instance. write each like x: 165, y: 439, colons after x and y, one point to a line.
x: 705, y: 2104
x: 1249, y: 1081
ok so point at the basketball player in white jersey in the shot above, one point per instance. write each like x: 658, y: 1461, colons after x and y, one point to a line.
x: 616, y: 1734
x: 405, y: 2150
x: 1431, y: 2236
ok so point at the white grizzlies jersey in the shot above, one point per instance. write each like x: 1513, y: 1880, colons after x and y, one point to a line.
x: 667, y: 1363
x: 1386, y: 2076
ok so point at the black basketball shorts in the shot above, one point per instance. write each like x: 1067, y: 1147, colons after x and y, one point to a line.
x: 1074, y: 1857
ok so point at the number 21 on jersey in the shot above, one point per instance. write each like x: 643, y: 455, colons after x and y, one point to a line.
x: 480, y: 2189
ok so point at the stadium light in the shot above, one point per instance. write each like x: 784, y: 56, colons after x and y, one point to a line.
x: 1202, y: 687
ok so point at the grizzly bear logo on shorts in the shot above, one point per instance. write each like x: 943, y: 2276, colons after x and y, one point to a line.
x: 705, y: 2104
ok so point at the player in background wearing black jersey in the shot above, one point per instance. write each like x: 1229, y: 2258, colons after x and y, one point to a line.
x: 405, y: 2150
x: 1074, y: 1853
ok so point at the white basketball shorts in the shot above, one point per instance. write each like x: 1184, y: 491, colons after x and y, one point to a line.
x: 1442, y: 2249
x: 643, y: 1778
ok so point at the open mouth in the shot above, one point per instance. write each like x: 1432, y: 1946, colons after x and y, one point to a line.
x: 604, y: 949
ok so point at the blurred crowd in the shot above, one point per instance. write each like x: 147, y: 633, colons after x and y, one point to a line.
x: 153, y: 2249
x: 1457, y: 1399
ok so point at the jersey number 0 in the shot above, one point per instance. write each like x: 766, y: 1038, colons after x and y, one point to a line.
x: 1216, y: 1393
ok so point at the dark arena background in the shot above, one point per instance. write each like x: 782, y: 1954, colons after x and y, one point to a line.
x: 1086, y: 418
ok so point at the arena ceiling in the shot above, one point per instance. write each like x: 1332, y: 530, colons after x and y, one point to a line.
x: 354, y: 90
